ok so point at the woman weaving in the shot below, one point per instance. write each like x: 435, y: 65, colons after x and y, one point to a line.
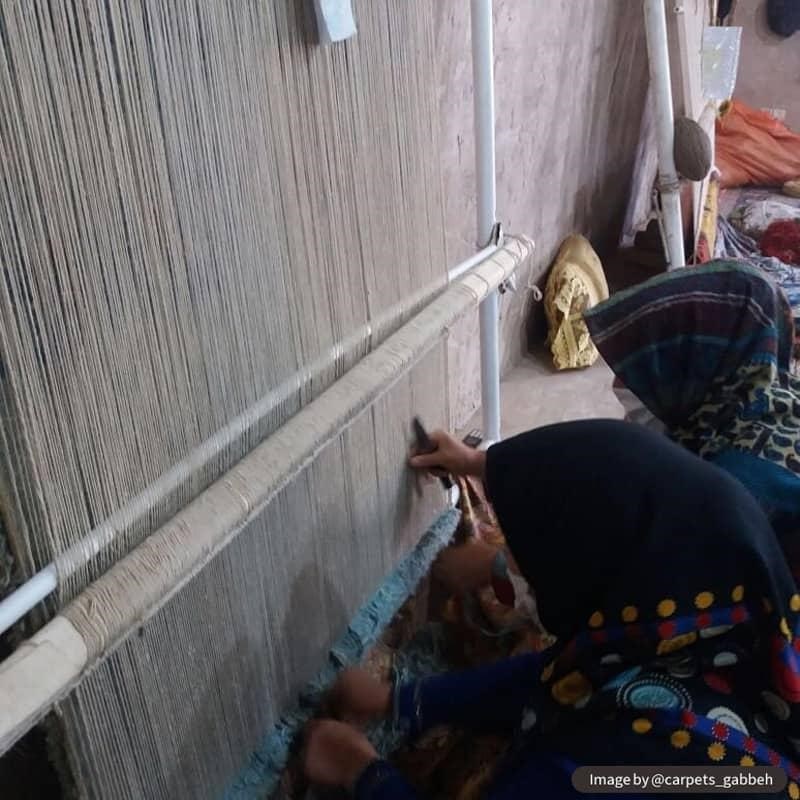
x: 673, y: 604
x: 708, y: 351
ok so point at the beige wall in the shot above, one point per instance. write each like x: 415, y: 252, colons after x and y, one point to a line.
x: 571, y: 80
x: 769, y: 66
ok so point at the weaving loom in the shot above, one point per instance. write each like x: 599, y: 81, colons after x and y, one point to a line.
x: 224, y: 295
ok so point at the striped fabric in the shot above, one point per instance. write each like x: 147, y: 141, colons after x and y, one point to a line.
x: 708, y: 351
x: 673, y: 337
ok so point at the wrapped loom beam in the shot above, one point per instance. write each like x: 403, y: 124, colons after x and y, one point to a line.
x: 206, y: 458
x: 136, y: 587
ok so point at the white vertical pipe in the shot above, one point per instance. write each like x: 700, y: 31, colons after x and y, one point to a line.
x: 689, y: 24
x: 690, y: 28
x: 486, y: 188
x: 655, y: 19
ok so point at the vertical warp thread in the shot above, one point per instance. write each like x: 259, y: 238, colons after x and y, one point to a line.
x: 196, y: 205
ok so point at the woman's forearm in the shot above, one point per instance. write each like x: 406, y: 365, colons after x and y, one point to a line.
x: 489, y: 698
x: 477, y: 464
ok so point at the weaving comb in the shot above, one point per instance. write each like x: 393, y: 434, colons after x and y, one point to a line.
x: 425, y: 446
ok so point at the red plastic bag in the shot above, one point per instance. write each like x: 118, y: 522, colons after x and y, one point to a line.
x: 754, y: 148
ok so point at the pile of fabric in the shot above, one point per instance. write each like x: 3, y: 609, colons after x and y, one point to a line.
x: 736, y: 245
x: 752, y: 212
x: 754, y: 216
x: 764, y: 233
x: 753, y: 148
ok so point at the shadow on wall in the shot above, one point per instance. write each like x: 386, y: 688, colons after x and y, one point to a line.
x: 238, y: 664
x: 310, y: 591
x: 305, y: 20
x: 598, y: 154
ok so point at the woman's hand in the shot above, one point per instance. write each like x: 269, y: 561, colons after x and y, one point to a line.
x: 451, y: 456
x: 335, y: 754
x: 360, y: 698
x: 465, y: 567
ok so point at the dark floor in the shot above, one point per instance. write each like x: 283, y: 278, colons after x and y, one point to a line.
x: 26, y: 772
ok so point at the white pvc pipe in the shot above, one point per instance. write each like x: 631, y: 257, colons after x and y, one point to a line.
x: 655, y: 19
x: 31, y: 593
x: 486, y: 190
x: 473, y: 261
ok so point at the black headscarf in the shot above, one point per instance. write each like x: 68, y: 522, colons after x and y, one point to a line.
x: 643, y: 557
x: 592, y: 509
